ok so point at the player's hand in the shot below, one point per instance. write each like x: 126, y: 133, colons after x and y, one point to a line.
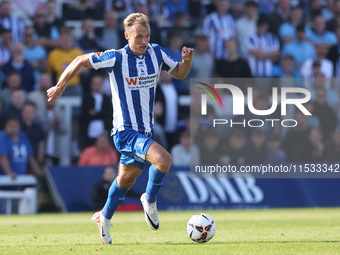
x: 187, y: 54
x: 54, y: 93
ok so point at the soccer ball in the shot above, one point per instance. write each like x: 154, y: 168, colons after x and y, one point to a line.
x: 201, y: 228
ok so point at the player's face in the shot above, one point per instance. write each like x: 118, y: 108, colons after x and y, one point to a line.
x: 138, y: 37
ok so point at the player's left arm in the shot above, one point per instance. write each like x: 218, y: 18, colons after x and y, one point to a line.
x: 183, y: 68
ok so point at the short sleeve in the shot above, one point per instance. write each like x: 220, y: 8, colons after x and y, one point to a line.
x: 104, y: 60
x: 168, y: 63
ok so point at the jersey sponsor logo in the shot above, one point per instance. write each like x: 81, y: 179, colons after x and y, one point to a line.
x: 131, y: 81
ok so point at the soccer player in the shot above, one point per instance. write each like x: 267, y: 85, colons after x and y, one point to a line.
x: 134, y: 71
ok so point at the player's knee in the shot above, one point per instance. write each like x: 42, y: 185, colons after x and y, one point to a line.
x: 164, y: 163
x: 126, y: 182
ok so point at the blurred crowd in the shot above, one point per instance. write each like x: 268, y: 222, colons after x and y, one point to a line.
x: 232, y: 39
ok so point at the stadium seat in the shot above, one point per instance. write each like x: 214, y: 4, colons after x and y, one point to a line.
x: 27, y: 197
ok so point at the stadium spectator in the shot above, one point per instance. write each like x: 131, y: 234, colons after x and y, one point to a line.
x: 123, y: 7
x: 55, y: 126
x: 101, y: 188
x: 59, y: 58
x: 173, y: 7
x: 33, y: 130
x: 182, y: 25
x: 275, y: 155
x: 167, y: 94
x: 237, y: 8
x: 2, y: 119
x: 196, y: 12
x: 158, y: 129
x: 318, y: 33
x: 96, y: 112
x: 280, y: 15
x: 175, y: 44
x: 325, y: 114
x: 46, y: 34
x: 333, y: 23
x: 235, y: 154
x: 14, y: 108
x: 39, y: 98
x: 181, y: 152
x: 156, y: 10
x: 263, y: 50
x: 110, y: 34
x: 174, y: 50
x: 332, y: 97
x: 233, y: 66
x: 16, y: 151
x: 219, y: 26
x: 332, y: 151
x: 287, y: 30
x: 156, y: 36
x: 9, y: 22
x: 34, y: 53
x: 5, y: 46
x: 314, y: 149
x: 25, y: 10
x: 81, y: 9
x: 100, y: 154
x: 314, y: 9
x: 246, y: 26
x: 320, y: 60
x: 89, y: 42
x: 296, y: 138
x: 334, y: 54
x: 210, y: 151
x: 299, y: 48
x: 21, y: 65
x: 286, y: 68
x: 266, y: 6
x: 256, y: 150
x: 203, y: 61
x: 51, y: 15
x: 13, y: 82
x: 328, y: 11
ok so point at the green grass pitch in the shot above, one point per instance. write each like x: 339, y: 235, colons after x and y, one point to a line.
x: 272, y: 231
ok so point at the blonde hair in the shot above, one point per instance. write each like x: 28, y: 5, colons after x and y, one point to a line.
x: 136, y: 18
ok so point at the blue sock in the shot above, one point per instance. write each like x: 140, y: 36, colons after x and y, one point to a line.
x: 154, y: 184
x: 115, y: 197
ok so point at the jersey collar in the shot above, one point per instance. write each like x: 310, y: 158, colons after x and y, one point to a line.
x: 128, y: 51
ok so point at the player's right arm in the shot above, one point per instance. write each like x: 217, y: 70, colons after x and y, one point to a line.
x: 71, y: 71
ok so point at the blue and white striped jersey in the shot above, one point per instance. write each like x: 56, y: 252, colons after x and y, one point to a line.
x: 219, y: 29
x: 14, y: 24
x: 133, y: 81
x: 267, y: 43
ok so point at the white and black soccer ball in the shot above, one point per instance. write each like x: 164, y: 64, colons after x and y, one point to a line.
x: 201, y: 228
